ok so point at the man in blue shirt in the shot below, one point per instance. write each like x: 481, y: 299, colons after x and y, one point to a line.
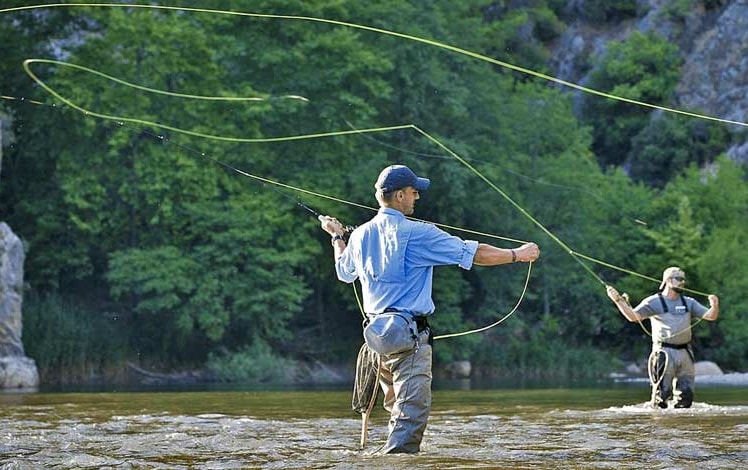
x: 393, y: 258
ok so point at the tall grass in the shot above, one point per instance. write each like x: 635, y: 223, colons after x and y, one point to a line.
x: 72, y: 344
x: 550, y: 360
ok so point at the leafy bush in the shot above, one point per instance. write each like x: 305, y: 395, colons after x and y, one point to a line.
x: 644, y: 68
x: 252, y: 364
x: 670, y: 143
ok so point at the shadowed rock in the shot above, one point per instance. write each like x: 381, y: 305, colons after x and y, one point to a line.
x: 16, y: 370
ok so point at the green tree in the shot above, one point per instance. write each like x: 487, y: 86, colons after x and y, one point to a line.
x: 681, y: 237
x: 32, y: 125
x: 645, y: 68
x: 719, y: 197
x: 519, y: 36
x: 124, y: 193
x: 670, y: 143
x: 220, y: 283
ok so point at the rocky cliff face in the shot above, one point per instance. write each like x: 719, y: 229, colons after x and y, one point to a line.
x: 714, y: 44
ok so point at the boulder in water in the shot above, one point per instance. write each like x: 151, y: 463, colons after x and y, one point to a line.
x: 708, y: 368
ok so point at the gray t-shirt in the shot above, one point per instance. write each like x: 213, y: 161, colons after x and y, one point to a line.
x: 673, y: 326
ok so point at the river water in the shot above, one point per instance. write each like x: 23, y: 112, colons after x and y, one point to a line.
x: 548, y: 428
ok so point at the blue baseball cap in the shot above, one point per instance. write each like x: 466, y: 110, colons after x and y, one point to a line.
x: 396, y: 177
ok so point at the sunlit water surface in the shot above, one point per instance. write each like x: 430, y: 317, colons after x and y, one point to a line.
x: 501, y: 428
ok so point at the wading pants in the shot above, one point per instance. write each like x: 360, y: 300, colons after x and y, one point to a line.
x: 406, y: 382
x: 680, y: 368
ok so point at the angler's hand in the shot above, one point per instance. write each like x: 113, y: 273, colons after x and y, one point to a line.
x: 527, y: 252
x: 613, y: 294
x: 331, y: 225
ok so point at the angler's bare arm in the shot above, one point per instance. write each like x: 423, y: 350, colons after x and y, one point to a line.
x: 489, y: 255
x: 713, y: 311
x: 623, y: 306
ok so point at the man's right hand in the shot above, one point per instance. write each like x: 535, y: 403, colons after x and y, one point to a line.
x: 331, y: 225
x: 613, y: 294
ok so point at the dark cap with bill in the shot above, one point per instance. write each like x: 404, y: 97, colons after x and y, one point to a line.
x: 396, y: 177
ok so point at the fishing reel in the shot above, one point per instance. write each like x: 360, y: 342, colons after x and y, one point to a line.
x: 347, y: 230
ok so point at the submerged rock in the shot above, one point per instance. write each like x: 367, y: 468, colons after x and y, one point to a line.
x: 708, y: 368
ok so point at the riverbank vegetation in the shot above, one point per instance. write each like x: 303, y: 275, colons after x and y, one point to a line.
x: 169, y: 237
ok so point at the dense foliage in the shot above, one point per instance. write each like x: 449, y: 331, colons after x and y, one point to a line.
x: 167, y: 218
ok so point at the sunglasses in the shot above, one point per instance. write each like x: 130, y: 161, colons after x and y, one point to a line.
x: 679, y: 278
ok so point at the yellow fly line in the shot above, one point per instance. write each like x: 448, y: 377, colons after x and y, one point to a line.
x: 121, y: 120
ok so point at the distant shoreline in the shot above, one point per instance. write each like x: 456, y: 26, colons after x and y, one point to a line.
x: 732, y: 378
x: 736, y: 378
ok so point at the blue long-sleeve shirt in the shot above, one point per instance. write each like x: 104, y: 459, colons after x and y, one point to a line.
x: 394, y: 258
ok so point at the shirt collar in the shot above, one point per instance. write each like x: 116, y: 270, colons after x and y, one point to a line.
x: 391, y: 211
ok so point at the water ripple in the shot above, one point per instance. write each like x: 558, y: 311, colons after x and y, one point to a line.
x: 469, y: 430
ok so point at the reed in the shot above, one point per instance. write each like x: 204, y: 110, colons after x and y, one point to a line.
x: 73, y: 344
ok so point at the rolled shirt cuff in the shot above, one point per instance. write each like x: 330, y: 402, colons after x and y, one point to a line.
x: 468, y: 254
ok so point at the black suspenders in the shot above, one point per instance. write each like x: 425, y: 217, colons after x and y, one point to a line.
x: 664, y: 305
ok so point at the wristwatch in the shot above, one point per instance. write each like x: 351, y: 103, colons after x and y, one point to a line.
x: 336, y: 237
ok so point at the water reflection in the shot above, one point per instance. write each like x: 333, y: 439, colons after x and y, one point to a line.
x: 544, y: 428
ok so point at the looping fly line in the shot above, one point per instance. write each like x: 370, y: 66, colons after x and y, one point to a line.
x: 396, y: 34
x: 122, y: 119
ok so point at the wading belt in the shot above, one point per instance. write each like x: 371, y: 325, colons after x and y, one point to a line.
x: 422, y: 321
x: 686, y: 346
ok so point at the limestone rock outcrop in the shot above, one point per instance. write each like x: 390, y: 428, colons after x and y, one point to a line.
x: 713, y: 42
x: 16, y: 370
